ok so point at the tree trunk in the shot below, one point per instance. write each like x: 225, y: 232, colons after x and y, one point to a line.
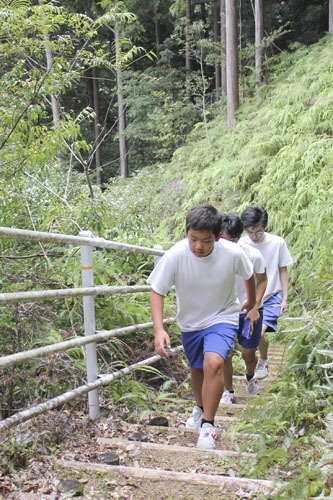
x: 188, y: 54
x: 97, y: 128
x: 259, y: 35
x: 330, y: 16
x: 94, y: 88
x: 223, y: 50
x: 232, y: 62
x: 216, y: 40
x: 187, y: 49
x: 157, y: 35
x: 49, y: 66
x: 121, y: 109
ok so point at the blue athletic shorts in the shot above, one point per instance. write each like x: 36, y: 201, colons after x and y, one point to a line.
x: 217, y: 338
x: 254, y: 340
x: 272, y: 311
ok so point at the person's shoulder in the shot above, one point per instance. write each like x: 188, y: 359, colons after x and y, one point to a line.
x: 231, y: 249
x: 178, y: 248
x: 275, y: 239
x: 224, y: 245
x: 251, y: 251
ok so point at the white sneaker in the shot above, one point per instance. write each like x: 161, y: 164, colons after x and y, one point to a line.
x: 194, y: 421
x: 252, y: 386
x: 262, y: 369
x: 228, y: 398
x: 207, y: 437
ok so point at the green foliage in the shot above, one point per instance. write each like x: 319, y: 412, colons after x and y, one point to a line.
x: 14, y: 455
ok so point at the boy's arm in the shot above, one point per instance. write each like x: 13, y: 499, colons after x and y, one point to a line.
x: 253, y: 314
x: 261, y: 287
x: 250, y: 302
x: 161, y: 336
x: 284, y: 279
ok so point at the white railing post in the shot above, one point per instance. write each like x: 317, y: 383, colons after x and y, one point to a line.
x: 89, y: 324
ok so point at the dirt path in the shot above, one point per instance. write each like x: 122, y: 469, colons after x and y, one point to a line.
x: 155, y: 462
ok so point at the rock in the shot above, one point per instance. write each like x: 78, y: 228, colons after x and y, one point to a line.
x: 108, y: 458
x: 70, y: 486
x: 138, y: 436
x: 160, y: 421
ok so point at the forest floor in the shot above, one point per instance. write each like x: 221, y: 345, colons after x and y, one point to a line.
x: 155, y: 462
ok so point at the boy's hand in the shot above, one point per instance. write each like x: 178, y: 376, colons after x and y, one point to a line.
x: 284, y: 306
x: 245, y: 307
x: 254, y: 316
x: 162, y: 339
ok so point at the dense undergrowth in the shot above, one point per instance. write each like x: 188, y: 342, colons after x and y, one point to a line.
x: 280, y: 155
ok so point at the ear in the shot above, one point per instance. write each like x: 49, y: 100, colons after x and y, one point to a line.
x: 218, y: 237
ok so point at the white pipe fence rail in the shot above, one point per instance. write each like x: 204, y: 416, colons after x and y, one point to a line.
x: 86, y: 241
x: 79, y: 391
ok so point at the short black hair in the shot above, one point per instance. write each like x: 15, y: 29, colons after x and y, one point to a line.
x: 204, y: 217
x: 254, y: 215
x: 232, y: 225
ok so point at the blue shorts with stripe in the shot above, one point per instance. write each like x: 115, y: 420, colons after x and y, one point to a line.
x: 254, y: 340
x: 217, y: 338
x: 272, y: 311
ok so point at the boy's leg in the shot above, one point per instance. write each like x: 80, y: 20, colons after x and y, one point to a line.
x: 228, y: 396
x: 249, y: 342
x: 212, y: 386
x: 227, y: 372
x: 218, y: 343
x: 197, y: 376
x: 250, y: 359
x: 272, y: 311
x: 264, y: 343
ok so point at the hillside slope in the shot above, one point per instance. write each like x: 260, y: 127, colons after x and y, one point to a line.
x: 280, y: 155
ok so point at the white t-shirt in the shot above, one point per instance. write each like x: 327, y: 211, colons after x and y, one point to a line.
x: 276, y: 254
x: 205, y: 286
x: 259, y: 266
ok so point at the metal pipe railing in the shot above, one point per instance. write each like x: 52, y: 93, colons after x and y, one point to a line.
x: 37, y: 295
x: 25, y: 234
x: 99, y: 336
x: 68, y: 396
x: 86, y: 241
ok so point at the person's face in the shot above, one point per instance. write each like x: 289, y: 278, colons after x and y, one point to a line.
x: 227, y: 236
x: 201, y: 243
x: 256, y: 233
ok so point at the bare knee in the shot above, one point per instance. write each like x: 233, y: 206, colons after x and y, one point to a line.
x: 213, y: 363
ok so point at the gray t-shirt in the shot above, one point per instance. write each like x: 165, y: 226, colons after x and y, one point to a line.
x: 206, y: 286
x: 276, y: 254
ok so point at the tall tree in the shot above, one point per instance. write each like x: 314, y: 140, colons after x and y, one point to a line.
x: 232, y: 62
x: 97, y: 153
x: 121, y: 107
x: 216, y: 31
x: 157, y: 24
x: 223, y: 49
x: 97, y: 127
x: 187, y: 48
x: 259, y: 34
x: 330, y: 16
